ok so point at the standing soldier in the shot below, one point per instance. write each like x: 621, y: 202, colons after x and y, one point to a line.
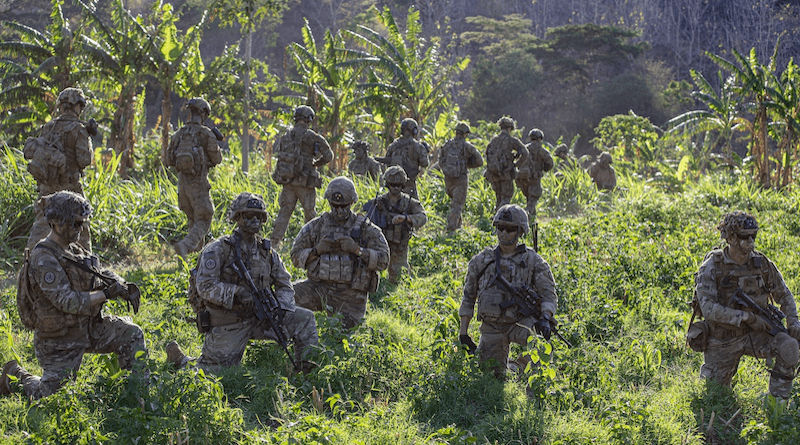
x: 408, y: 153
x: 226, y: 301
x: 733, y: 290
x: 300, y: 152
x: 602, y: 173
x: 455, y: 157
x: 503, y: 155
x: 60, y: 297
x: 363, y: 164
x: 397, y: 214
x: 563, y: 158
x: 520, y: 266
x: 193, y: 150
x: 342, y: 253
x: 58, y: 157
x: 530, y: 175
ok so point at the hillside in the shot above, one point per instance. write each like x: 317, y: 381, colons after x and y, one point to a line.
x: 623, y: 263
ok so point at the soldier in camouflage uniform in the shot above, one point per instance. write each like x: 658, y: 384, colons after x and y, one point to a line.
x: 300, y: 152
x: 61, y: 169
x: 342, y: 253
x: 563, y: 159
x: 397, y: 214
x: 193, y: 150
x: 455, y: 157
x: 501, y: 153
x: 602, y: 173
x: 363, y: 164
x: 529, y: 179
x: 519, y: 265
x: 408, y: 153
x: 228, y: 298
x: 63, y: 303
x: 731, y: 330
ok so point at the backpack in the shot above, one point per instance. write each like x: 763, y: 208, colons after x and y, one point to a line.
x: 46, y: 155
x: 497, y: 155
x: 189, y: 155
x: 452, y: 162
x: 25, y: 304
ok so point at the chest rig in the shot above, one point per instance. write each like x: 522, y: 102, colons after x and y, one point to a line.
x: 517, y: 269
x: 751, y: 277
x: 257, y: 259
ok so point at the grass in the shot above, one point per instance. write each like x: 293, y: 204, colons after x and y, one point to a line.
x: 623, y: 263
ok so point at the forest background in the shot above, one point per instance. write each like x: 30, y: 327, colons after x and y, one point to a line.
x: 696, y: 100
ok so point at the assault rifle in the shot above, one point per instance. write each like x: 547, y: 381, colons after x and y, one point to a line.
x: 527, y: 301
x: 134, y: 294
x: 266, y: 305
x: 772, y: 315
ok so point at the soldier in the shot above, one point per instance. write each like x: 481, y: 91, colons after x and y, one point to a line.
x: 564, y: 159
x: 58, y: 157
x: 731, y: 329
x: 363, y: 164
x: 520, y: 265
x: 61, y: 299
x: 342, y: 253
x: 228, y: 301
x: 193, y: 150
x: 408, y: 153
x: 397, y: 214
x: 501, y: 168
x: 455, y: 157
x: 602, y: 173
x: 529, y: 179
x: 300, y: 152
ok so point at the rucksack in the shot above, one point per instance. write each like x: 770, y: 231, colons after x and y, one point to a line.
x: 25, y: 304
x: 190, y: 156
x: 452, y: 162
x: 497, y: 156
x: 46, y: 155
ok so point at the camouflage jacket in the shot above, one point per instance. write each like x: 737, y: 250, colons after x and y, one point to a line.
x: 77, y: 149
x: 408, y: 153
x: 719, y: 277
x: 381, y: 211
x: 205, y: 139
x: 603, y: 176
x: 306, y: 150
x: 525, y: 266
x: 539, y: 161
x: 366, y: 167
x: 503, y: 155
x: 461, y: 153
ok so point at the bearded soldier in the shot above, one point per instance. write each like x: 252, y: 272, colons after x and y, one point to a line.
x: 408, y: 153
x: 58, y: 157
x: 520, y: 266
x: 300, y: 152
x: 602, y: 173
x: 193, y: 150
x: 61, y: 295
x: 503, y: 155
x: 734, y: 288
x: 529, y: 179
x: 363, y: 164
x: 397, y: 214
x: 342, y: 253
x: 455, y: 157
x: 228, y: 301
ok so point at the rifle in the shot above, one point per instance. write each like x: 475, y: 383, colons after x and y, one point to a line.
x: 266, y: 305
x: 772, y: 315
x: 527, y: 300
x: 383, y: 159
x: 535, y: 236
x: 134, y: 294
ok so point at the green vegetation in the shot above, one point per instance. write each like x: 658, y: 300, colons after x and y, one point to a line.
x: 623, y: 262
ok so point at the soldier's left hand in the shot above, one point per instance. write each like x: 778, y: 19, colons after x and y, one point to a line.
x: 542, y: 327
x: 397, y: 219
x: 794, y: 329
x: 348, y: 244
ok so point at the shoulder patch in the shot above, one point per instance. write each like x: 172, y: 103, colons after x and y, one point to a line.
x: 49, y: 277
x: 210, y: 263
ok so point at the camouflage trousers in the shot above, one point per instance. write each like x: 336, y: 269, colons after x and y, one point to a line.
x: 194, y: 199
x: 722, y: 355
x: 287, y: 201
x: 332, y: 298
x: 398, y: 259
x: 503, y: 191
x: 456, y: 189
x: 497, y: 337
x: 532, y: 191
x: 224, y: 346
x: 41, y: 228
x: 61, y: 360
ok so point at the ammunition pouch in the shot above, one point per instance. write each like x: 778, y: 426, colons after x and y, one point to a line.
x: 697, y: 336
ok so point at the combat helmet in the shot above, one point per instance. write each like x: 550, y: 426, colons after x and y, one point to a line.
x: 395, y: 175
x: 536, y: 134
x: 511, y: 214
x: 247, y: 202
x: 65, y: 207
x: 463, y: 127
x: 410, y: 125
x: 305, y: 112
x: 71, y: 96
x: 605, y: 157
x: 506, y: 122
x: 359, y: 144
x: 561, y: 150
x: 341, y: 191
x: 199, y: 104
x: 737, y: 222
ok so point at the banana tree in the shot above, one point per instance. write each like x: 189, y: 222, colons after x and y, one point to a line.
x: 784, y: 127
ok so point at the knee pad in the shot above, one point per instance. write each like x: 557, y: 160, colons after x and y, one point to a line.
x: 788, y: 349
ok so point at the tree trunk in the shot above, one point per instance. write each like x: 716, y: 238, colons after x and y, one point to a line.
x: 248, y: 45
x: 166, y: 118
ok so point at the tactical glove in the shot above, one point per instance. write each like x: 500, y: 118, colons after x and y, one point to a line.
x: 244, y: 298
x: 116, y: 290
x: 757, y: 323
x: 348, y: 244
x: 325, y: 245
x: 466, y: 340
x: 543, y: 328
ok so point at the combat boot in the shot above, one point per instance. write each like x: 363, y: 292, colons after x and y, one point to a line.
x: 10, y: 368
x: 175, y: 355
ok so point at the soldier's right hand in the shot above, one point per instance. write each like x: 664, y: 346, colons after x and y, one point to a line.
x: 244, y: 298
x: 116, y: 290
x: 325, y: 245
x: 757, y: 323
x: 467, y: 341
